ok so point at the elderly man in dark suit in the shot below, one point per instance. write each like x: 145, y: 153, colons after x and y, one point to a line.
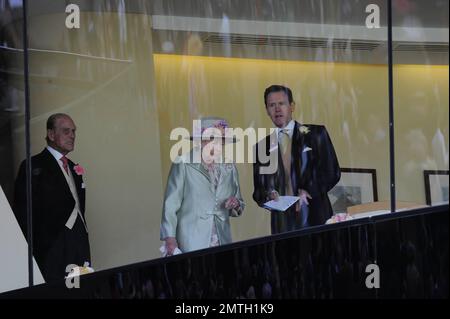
x: 307, y: 166
x: 60, y: 236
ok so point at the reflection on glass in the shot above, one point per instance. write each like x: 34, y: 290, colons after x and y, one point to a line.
x: 131, y: 74
x: 13, y: 245
x: 101, y: 76
x: 421, y: 101
x: 221, y: 60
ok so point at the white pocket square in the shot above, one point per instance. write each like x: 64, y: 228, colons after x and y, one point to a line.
x: 83, y: 185
x: 306, y: 149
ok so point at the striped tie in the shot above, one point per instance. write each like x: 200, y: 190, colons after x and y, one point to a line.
x: 65, y: 160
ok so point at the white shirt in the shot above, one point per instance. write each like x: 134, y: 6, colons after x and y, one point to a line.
x: 289, y: 128
x: 57, y: 155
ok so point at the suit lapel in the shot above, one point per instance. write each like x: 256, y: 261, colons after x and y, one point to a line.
x: 201, y: 170
x: 296, y: 157
x: 76, y: 177
x: 55, y: 170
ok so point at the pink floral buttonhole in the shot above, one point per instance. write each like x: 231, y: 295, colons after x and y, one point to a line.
x: 79, y: 169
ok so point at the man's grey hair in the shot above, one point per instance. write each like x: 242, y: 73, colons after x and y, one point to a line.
x: 51, y: 122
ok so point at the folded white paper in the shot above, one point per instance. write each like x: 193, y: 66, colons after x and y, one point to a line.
x: 283, y: 203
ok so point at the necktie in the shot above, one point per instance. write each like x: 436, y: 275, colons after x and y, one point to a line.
x: 283, y: 138
x: 65, y: 160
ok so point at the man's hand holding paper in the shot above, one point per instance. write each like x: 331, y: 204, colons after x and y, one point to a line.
x: 281, y: 203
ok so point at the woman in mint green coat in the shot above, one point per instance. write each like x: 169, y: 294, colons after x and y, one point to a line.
x: 199, y: 200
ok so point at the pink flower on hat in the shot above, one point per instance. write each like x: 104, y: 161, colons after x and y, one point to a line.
x: 79, y: 169
x: 219, y: 124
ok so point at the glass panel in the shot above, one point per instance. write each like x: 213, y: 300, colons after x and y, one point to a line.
x: 132, y: 75
x: 13, y: 245
x: 420, y: 49
x: 105, y: 208
x: 217, y: 58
